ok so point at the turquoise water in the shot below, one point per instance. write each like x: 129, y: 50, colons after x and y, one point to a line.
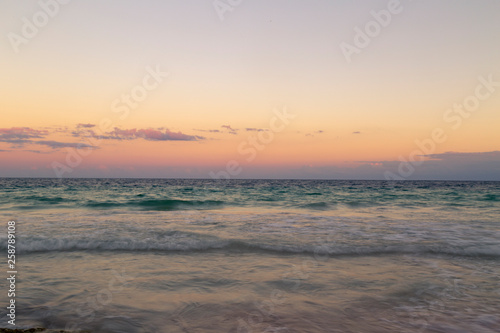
x: 161, y: 194
x: 153, y: 255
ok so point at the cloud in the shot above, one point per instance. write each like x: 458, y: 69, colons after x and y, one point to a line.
x: 315, y: 132
x: 155, y: 135
x: 56, y: 129
x: 469, y: 157
x: 209, y: 130
x: 61, y: 130
x: 19, y: 142
x: 357, y: 132
x: 19, y: 137
x: 444, y: 166
x: 57, y: 144
x: 256, y: 129
x: 151, y: 135
x: 14, y: 133
x: 88, y: 133
x: 120, y: 134
x: 83, y: 133
x: 16, y: 143
x: 230, y: 129
x: 85, y: 125
x: 38, y: 151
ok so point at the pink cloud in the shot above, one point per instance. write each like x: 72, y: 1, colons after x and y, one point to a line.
x: 85, y: 125
x: 230, y: 129
x: 151, y: 134
x: 21, y: 133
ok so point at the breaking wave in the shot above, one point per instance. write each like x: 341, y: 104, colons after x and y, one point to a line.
x: 189, y: 244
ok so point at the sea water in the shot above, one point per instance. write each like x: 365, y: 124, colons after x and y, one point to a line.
x: 157, y: 255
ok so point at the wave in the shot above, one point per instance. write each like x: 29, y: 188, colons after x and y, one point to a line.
x: 54, y: 200
x: 317, y: 206
x: 179, y: 244
x: 360, y: 204
x: 160, y: 204
x: 491, y: 197
x: 41, y: 199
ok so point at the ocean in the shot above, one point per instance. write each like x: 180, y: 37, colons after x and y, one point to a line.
x: 160, y: 255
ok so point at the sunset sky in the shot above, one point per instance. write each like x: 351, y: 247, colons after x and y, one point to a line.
x: 250, y: 89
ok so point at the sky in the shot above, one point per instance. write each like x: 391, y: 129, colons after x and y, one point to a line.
x: 305, y: 89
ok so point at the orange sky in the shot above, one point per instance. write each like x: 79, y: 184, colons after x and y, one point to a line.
x: 226, y: 78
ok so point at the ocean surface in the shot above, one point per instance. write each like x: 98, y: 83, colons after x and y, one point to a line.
x: 157, y: 255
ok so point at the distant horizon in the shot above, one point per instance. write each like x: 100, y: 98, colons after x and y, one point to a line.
x: 236, y: 179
